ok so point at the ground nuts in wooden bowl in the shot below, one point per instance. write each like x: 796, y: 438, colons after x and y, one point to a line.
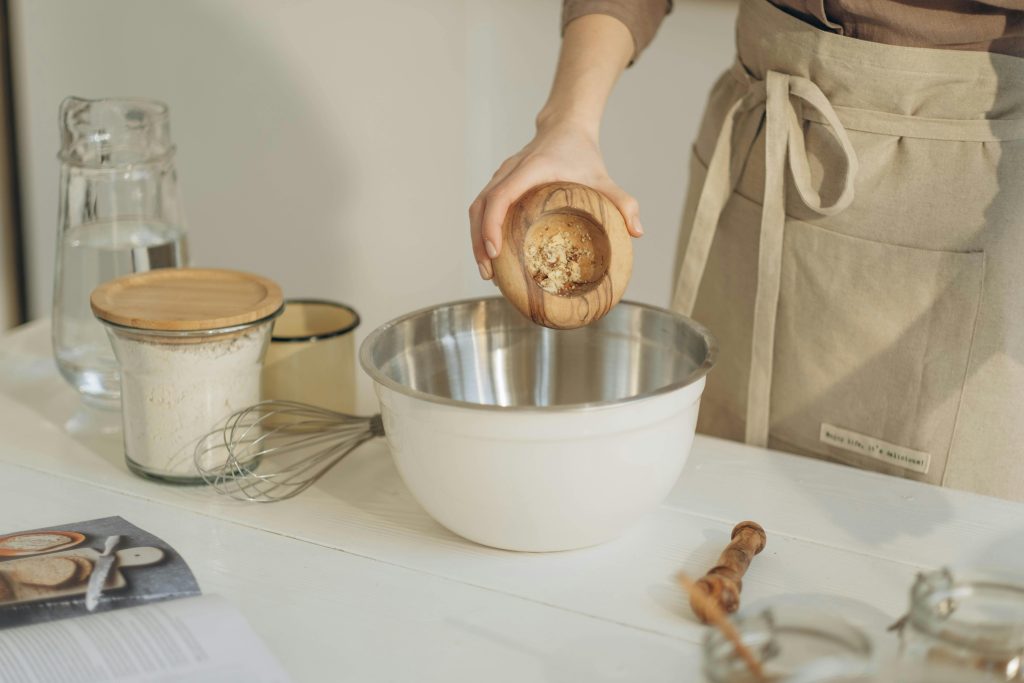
x: 566, y: 256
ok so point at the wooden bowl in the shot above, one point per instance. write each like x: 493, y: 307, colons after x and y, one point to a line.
x: 566, y: 256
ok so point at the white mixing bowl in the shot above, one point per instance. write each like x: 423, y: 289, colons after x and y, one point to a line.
x: 520, y: 437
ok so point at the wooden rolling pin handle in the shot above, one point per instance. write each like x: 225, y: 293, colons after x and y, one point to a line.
x: 725, y: 580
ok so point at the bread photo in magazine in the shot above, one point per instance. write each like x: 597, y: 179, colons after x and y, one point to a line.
x: 93, y: 566
x: 104, y: 600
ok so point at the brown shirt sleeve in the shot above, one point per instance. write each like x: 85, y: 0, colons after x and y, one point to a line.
x: 641, y: 17
x: 979, y: 25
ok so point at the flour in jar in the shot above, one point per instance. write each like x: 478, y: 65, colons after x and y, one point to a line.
x: 173, y: 394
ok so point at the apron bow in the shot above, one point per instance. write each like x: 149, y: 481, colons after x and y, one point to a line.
x: 778, y: 102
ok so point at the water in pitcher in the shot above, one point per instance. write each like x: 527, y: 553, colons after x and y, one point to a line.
x: 93, y: 253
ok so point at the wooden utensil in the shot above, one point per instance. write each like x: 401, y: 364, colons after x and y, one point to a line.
x: 129, y: 557
x: 723, y: 583
x: 566, y: 256
x: 714, y: 615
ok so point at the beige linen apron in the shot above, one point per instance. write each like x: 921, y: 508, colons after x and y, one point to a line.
x: 854, y: 237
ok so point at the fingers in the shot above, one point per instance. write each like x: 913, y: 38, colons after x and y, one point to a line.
x: 628, y: 206
x: 482, y: 251
x: 497, y: 201
x: 503, y: 170
x: 476, y: 217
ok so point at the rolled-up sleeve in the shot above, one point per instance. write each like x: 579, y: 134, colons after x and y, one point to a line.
x: 641, y: 17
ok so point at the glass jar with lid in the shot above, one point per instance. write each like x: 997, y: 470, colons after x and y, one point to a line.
x: 789, y: 641
x: 190, y: 344
x: 970, y: 619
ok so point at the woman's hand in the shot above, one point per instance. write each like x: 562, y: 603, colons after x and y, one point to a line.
x: 560, y: 151
x: 595, y: 50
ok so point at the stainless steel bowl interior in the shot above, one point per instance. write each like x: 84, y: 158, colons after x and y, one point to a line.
x: 484, y: 353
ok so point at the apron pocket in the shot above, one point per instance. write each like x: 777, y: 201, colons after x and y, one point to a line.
x: 872, y: 345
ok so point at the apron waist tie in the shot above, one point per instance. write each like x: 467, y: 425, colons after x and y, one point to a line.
x: 778, y: 102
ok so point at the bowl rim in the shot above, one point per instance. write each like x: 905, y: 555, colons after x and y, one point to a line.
x: 380, y: 378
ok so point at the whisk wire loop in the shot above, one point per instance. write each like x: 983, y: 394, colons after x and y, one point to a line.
x: 274, y: 450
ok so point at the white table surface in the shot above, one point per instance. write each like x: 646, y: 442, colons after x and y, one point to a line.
x: 352, y: 581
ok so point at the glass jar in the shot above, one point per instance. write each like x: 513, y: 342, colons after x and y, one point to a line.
x: 190, y: 345
x: 119, y: 214
x: 789, y: 641
x: 972, y: 620
x: 898, y: 672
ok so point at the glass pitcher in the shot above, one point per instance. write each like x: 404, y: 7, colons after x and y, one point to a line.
x: 119, y: 214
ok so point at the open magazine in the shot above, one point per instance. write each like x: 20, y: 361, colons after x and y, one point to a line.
x: 106, y: 601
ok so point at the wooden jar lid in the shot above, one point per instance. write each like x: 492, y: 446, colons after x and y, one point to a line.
x: 184, y: 299
x: 555, y: 230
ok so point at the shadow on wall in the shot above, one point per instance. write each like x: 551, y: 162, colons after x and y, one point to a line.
x: 257, y: 161
x: 257, y: 158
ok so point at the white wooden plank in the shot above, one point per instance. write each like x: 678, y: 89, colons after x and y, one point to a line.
x: 363, y: 508
x: 329, y: 615
x: 862, y: 511
x: 848, y: 508
x: 830, y: 531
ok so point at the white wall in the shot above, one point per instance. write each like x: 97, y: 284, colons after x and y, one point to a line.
x: 334, y: 145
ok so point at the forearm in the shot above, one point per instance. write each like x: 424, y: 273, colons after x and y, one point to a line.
x: 596, y: 49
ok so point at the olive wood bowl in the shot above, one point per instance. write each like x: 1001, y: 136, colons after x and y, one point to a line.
x: 566, y: 256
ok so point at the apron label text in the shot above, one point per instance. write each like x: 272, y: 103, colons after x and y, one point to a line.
x: 909, y: 459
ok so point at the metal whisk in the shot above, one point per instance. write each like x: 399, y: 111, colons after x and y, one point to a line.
x: 277, y: 449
